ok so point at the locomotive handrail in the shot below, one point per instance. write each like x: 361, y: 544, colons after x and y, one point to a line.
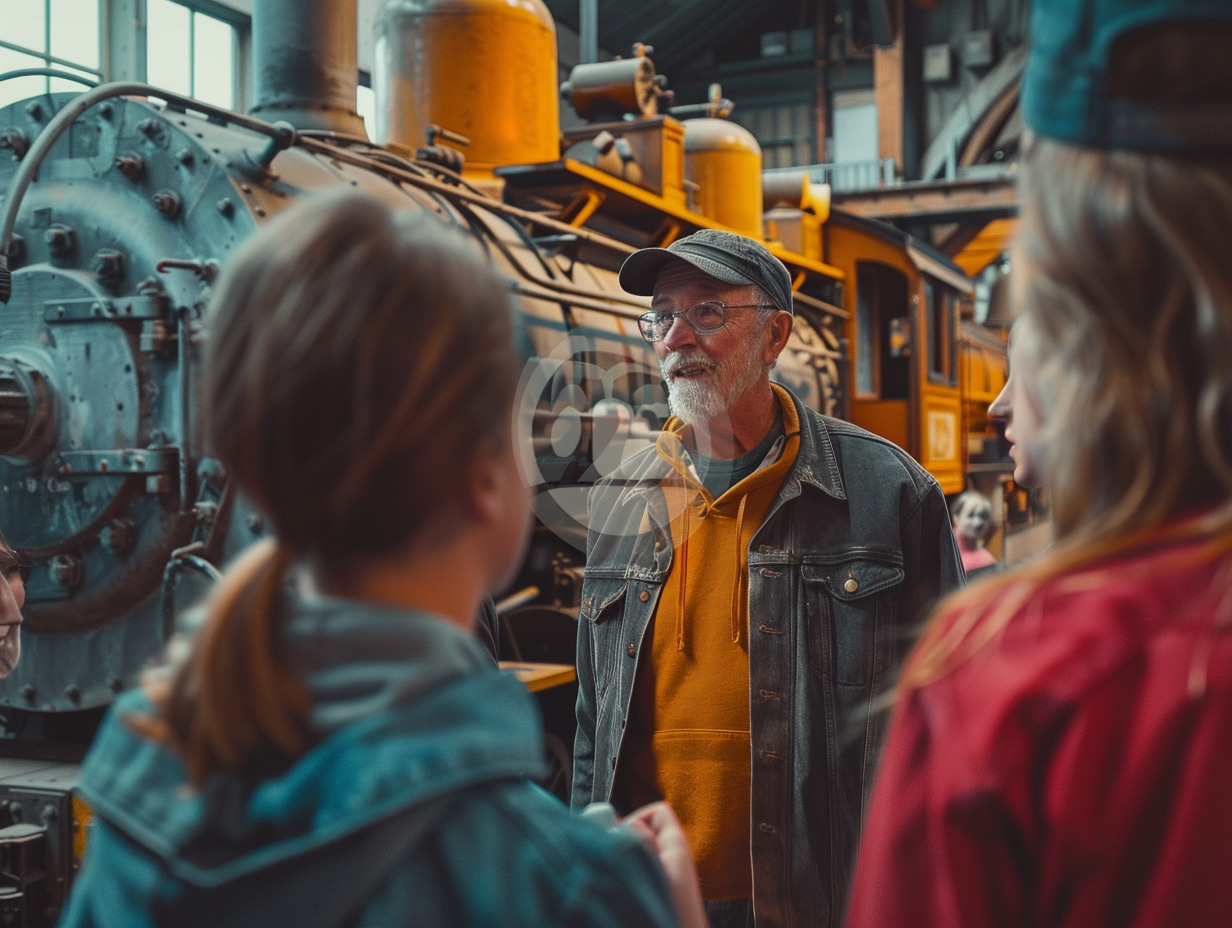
x: 459, y: 193
x: 185, y: 558
x: 66, y: 117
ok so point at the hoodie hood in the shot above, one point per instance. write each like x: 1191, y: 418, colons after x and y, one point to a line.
x: 408, y: 709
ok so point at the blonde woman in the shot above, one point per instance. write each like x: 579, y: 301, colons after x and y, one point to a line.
x: 1061, y: 742
x: 337, y: 749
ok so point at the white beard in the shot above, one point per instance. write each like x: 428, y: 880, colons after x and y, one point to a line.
x: 698, y: 400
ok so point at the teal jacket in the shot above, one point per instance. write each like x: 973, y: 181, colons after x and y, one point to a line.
x: 412, y: 809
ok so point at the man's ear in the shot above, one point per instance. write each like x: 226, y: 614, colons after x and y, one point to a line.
x: 778, y: 331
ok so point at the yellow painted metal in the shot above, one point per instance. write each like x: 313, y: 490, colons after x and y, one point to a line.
x: 582, y: 208
x: 795, y: 190
x: 82, y: 815
x: 674, y: 162
x: 724, y: 160
x: 943, y: 442
x: 987, y: 247
x: 796, y: 230
x: 485, y: 69
x: 676, y: 219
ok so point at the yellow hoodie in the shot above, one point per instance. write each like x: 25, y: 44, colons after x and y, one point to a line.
x: 688, y: 737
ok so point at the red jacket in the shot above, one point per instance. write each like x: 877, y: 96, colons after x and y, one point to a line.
x: 1077, y: 771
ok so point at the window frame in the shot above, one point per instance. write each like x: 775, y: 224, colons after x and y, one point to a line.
x: 241, y: 30
x: 51, y: 61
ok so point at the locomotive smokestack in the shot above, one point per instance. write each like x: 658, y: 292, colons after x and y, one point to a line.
x: 307, y: 63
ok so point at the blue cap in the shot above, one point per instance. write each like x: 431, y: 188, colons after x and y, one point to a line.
x: 1066, y: 92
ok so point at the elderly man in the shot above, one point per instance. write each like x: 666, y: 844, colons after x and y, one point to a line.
x: 751, y: 585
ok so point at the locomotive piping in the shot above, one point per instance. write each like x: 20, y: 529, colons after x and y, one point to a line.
x: 449, y: 190
x: 69, y: 114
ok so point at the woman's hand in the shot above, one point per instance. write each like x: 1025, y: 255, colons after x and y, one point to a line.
x: 661, y: 830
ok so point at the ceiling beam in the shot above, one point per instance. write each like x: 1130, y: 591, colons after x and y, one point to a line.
x: 936, y: 202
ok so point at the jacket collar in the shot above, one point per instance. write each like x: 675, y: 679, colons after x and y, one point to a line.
x: 816, y: 463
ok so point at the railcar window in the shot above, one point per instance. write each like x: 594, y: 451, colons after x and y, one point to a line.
x: 939, y: 303
x: 60, y: 34
x: 191, y: 52
x: 883, y: 332
x: 866, y: 326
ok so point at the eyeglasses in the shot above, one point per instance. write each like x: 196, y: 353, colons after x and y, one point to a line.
x: 703, y: 318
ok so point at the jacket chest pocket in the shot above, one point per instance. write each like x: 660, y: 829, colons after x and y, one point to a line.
x: 602, y: 606
x: 852, y: 609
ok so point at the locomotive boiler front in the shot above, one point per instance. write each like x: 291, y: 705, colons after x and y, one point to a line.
x: 102, y: 477
x: 98, y: 479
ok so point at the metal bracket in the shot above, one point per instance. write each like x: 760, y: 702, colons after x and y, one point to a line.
x: 92, y: 310
x: 125, y: 461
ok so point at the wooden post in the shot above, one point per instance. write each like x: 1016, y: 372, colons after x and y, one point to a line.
x: 821, y: 95
x: 888, y: 86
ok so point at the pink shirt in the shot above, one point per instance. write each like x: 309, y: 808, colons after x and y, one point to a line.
x: 974, y: 558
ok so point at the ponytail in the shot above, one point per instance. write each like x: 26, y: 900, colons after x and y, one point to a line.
x: 231, y: 704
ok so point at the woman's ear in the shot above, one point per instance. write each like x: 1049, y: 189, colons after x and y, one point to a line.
x: 483, y: 491
x: 497, y: 508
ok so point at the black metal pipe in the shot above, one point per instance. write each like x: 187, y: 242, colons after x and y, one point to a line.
x: 306, y: 63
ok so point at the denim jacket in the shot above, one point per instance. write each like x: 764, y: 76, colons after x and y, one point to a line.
x: 412, y: 809
x: 854, y: 549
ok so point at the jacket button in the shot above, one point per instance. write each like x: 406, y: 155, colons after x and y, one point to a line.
x: 851, y: 585
x: 632, y: 650
x: 644, y: 595
x: 658, y: 543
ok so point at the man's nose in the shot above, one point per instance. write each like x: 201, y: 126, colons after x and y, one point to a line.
x: 679, y: 335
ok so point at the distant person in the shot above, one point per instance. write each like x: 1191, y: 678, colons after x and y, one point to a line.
x: 1059, y: 751
x: 340, y: 750
x: 12, y: 601
x: 971, y: 516
x: 752, y: 582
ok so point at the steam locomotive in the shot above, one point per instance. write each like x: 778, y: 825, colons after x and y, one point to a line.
x: 124, y: 200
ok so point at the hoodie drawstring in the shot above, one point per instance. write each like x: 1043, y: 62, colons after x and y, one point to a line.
x: 738, y: 570
x: 683, y: 550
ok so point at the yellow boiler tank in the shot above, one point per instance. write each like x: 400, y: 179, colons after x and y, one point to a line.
x: 483, y: 69
x: 724, y: 161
